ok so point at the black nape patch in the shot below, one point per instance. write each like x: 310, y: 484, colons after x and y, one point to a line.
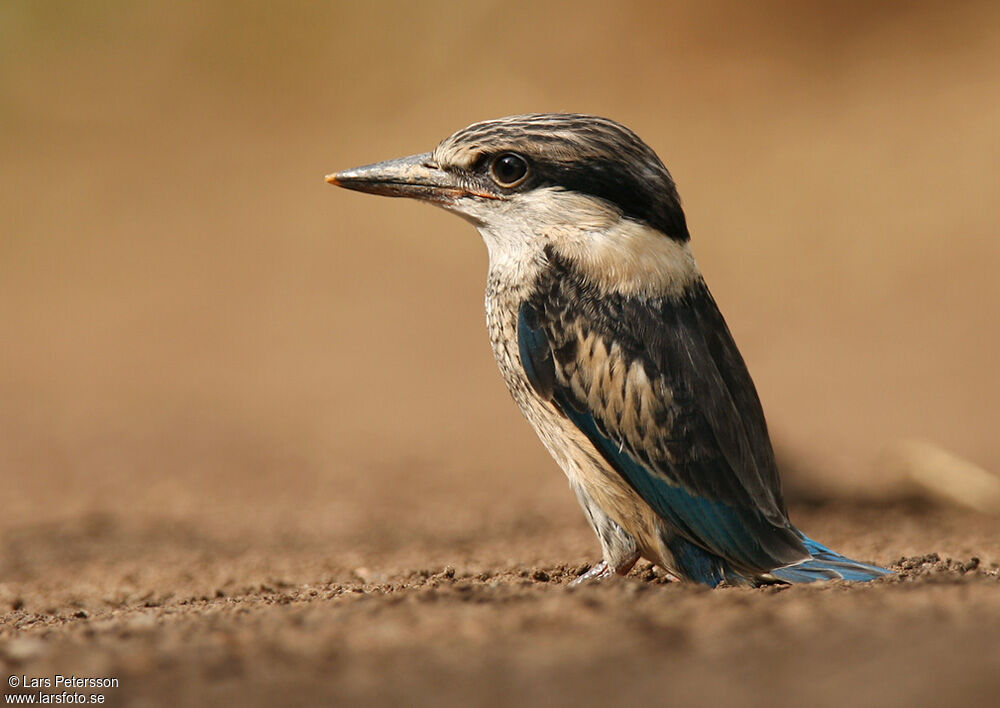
x: 640, y: 192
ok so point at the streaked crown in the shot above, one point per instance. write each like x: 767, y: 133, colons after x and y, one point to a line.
x: 582, y: 153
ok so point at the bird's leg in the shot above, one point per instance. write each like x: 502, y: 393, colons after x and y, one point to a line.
x: 619, y: 547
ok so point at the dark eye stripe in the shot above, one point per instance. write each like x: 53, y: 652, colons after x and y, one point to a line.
x: 643, y: 195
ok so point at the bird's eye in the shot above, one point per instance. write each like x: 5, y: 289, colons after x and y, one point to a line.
x: 508, y: 169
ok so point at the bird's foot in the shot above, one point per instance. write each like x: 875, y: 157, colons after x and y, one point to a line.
x: 598, y: 572
x: 605, y: 570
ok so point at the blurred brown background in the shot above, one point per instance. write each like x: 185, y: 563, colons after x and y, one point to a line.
x: 184, y: 298
x: 198, y: 331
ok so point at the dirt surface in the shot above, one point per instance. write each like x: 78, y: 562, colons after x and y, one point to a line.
x: 488, y: 618
x: 253, y: 446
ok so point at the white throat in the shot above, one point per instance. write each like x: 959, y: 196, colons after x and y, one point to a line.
x: 615, y: 253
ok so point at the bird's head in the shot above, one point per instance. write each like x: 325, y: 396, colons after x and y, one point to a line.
x: 585, y: 186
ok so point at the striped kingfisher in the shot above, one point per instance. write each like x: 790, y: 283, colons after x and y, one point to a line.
x: 614, y: 349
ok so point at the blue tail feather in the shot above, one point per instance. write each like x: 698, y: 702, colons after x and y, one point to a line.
x: 827, y: 565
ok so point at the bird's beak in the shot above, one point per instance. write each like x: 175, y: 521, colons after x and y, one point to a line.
x: 416, y: 176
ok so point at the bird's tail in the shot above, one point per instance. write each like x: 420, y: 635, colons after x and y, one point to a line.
x: 826, y: 565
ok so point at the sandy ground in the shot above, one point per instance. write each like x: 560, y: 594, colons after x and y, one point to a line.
x: 184, y: 616
x: 253, y: 446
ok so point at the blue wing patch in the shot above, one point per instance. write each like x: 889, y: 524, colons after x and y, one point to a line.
x: 536, y: 355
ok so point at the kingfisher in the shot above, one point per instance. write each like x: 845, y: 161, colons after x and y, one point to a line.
x: 613, y: 348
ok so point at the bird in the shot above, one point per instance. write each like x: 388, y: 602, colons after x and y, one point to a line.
x: 614, y: 349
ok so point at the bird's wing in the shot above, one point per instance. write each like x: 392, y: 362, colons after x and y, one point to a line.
x: 660, y: 389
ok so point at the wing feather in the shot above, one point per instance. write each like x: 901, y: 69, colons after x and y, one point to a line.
x: 660, y: 389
